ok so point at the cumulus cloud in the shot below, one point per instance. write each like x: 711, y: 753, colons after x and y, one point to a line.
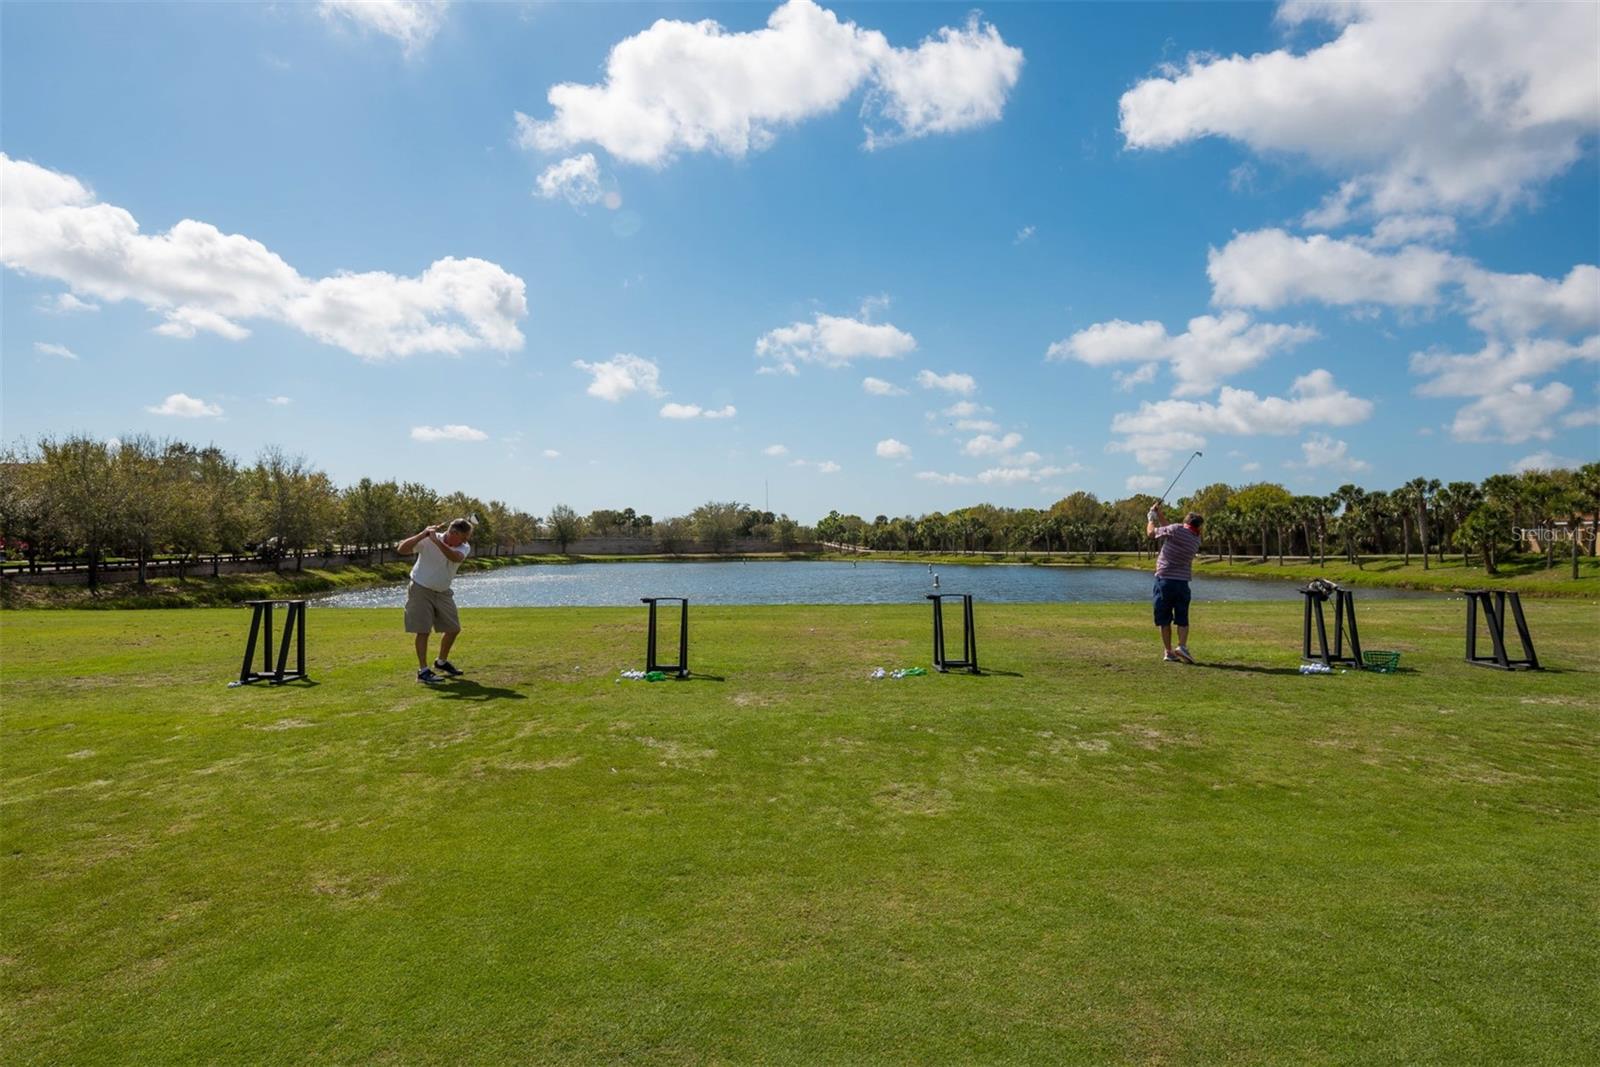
x: 184, y: 406
x: 410, y: 22
x: 201, y: 279
x: 550, y: 453
x: 1210, y: 350
x: 825, y: 466
x: 1024, y: 234
x: 695, y: 411
x: 1515, y: 415
x: 1270, y: 268
x: 1545, y: 461
x: 988, y: 445
x: 1156, y: 449
x: 944, y: 479
x: 66, y: 304
x: 1022, y: 473
x: 889, y: 448
x: 1321, y: 452
x: 1498, y: 365
x: 1421, y: 107
x: 832, y: 341
x: 1316, y: 401
x: 621, y: 375
x: 775, y: 450
x: 954, y: 382
x: 279, y: 401
x: 1143, y: 483
x: 1143, y: 374
x: 50, y: 348
x: 693, y: 87
x: 879, y: 387
x: 575, y: 180
x: 452, y: 432
x: 1406, y: 229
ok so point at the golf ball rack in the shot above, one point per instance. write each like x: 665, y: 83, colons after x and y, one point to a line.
x: 294, y: 628
x: 969, y: 641
x: 681, y: 668
x: 1493, y: 602
x: 1344, y: 616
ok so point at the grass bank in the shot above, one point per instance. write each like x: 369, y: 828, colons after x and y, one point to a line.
x: 1084, y: 856
x: 204, y: 591
x: 1525, y: 574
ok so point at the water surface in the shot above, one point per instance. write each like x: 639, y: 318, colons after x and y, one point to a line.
x: 805, y: 582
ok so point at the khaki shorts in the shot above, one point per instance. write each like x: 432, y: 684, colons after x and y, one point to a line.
x: 428, y: 609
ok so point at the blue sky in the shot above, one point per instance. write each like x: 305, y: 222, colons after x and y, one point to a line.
x: 1384, y: 222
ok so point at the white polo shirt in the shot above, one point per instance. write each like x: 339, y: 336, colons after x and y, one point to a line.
x: 433, y: 568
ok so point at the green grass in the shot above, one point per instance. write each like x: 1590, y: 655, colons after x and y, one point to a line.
x: 1526, y: 574
x: 1085, y: 856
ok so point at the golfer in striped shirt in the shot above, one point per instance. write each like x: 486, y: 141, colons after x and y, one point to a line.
x: 1170, y: 597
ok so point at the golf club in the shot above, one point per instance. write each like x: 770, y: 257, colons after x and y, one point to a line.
x: 1185, y: 467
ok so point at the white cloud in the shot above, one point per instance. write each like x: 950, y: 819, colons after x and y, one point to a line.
x: 944, y: 479
x: 832, y: 341
x: 986, y: 445
x: 1143, y: 374
x: 775, y: 450
x: 1024, y: 234
x: 1023, y: 473
x: 977, y: 425
x: 1210, y: 350
x: 1425, y: 106
x: 1514, y: 415
x: 621, y: 375
x: 964, y: 409
x: 1251, y: 467
x: 879, y: 387
x: 453, y: 432
x: 954, y: 382
x: 1316, y: 401
x: 1404, y: 229
x: 692, y: 87
x: 49, y: 348
x: 66, y: 304
x: 1545, y: 461
x: 1143, y: 483
x: 695, y: 411
x: 1589, y: 417
x: 184, y: 406
x: 1270, y: 268
x: 1498, y: 365
x: 1321, y: 452
x: 889, y: 448
x: 828, y: 466
x: 550, y: 453
x: 200, y: 278
x: 1155, y: 449
x: 279, y: 401
x: 411, y: 22
x: 575, y: 180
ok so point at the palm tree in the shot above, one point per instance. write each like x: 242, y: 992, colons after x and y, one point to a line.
x: 1587, y: 482
x: 1350, y: 500
x: 1458, y: 499
x: 1420, y: 493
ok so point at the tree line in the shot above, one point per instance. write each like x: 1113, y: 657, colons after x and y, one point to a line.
x: 140, y: 498
x: 1542, y: 510
x: 82, y: 498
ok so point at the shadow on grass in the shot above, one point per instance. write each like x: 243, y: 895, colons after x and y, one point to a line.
x: 461, y: 689
x: 268, y: 683
x: 983, y: 672
x: 1247, y: 668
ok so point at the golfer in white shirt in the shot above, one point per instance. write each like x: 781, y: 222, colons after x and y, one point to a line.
x: 430, y: 605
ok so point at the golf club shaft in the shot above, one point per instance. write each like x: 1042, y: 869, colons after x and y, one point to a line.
x: 1185, y: 467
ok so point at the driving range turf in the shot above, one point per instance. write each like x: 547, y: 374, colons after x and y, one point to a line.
x: 1083, y: 856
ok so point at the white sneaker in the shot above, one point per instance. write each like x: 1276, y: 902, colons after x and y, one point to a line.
x: 1170, y: 657
x: 1183, y: 654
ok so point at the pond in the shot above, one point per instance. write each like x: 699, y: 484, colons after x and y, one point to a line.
x: 804, y: 582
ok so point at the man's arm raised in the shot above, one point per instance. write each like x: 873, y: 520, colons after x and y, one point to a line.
x: 409, y: 545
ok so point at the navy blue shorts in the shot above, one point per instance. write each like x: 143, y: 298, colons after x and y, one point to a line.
x: 1171, y: 600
